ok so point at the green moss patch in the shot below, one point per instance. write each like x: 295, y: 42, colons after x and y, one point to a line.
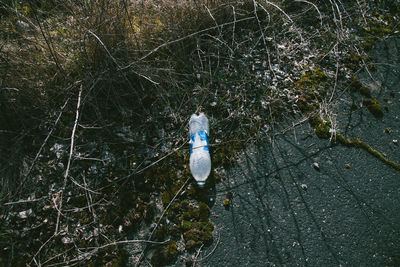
x: 192, y: 223
x: 321, y: 127
x: 311, y: 78
x: 356, y: 86
x: 379, y: 26
x: 165, y: 255
x: 322, y: 130
x: 356, y: 142
x: 110, y: 257
x: 374, y: 106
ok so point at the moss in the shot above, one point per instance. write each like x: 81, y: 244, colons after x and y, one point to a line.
x: 224, y: 155
x: 191, y: 244
x: 171, y: 250
x: 356, y: 142
x: 322, y: 131
x: 187, y: 216
x: 365, y: 91
x: 315, y: 120
x: 206, y: 226
x: 311, y: 82
x: 198, y: 236
x: 110, y: 257
x: 174, y: 232
x: 165, y: 198
x: 85, y: 220
x: 353, y: 61
x: 367, y: 44
x: 201, y: 233
x: 171, y: 215
x: 196, y: 213
x: 184, y: 204
x: 206, y: 237
x: 120, y: 260
x: 165, y: 255
x: 342, y: 140
x: 377, y: 28
x: 373, y: 106
x: 192, y: 234
x: 204, y: 211
x: 356, y: 86
x: 311, y: 78
x: 227, y: 202
x: 161, y: 232
x: 186, y: 226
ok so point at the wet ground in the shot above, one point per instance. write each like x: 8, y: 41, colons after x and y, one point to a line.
x: 286, y: 212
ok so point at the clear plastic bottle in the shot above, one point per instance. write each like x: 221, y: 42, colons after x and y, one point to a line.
x: 200, y: 161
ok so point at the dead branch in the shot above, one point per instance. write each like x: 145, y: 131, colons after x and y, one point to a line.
x: 127, y: 242
x: 71, y: 150
x: 25, y: 201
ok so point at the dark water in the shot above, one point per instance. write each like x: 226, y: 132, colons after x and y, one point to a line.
x: 347, y: 213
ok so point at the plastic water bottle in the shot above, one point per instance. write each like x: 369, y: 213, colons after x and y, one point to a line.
x: 200, y: 161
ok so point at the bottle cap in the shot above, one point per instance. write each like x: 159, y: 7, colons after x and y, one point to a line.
x: 201, y: 184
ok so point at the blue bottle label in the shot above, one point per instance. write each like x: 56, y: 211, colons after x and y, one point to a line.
x: 203, y: 137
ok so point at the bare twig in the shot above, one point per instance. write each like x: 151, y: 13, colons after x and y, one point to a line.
x: 197, y: 255
x: 10, y: 89
x: 362, y: 11
x: 234, y: 26
x: 71, y: 150
x: 83, y: 187
x: 127, y: 242
x: 25, y: 201
x: 337, y: 72
x: 255, y: 4
x: 212, y: 17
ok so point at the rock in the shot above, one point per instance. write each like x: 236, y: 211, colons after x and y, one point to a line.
x: 316, y: 166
